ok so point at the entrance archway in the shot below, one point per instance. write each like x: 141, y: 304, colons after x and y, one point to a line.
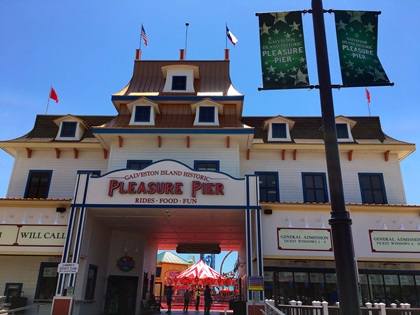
x: 131, y: 214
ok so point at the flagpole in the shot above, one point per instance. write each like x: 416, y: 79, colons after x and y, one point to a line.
x: 140, y: 36
x: 186, y: 38
x: 48, y: 102
x: 368, y: 99
x: 226, y: 35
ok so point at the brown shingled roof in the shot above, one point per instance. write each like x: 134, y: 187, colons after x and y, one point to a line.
x: 45, y: 128
x: 366, y: 128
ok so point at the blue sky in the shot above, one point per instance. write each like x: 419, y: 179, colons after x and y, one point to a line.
x: 86, y: 49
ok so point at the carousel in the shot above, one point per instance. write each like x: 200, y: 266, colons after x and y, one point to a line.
x: 197, y: 277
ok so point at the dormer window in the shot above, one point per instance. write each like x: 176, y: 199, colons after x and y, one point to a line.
x: 343, y: 127
x: 279, y: 130
x: 142, y: 114
x: 179, y: 78
x: 179, y: 82
x: 342, y: 131
x: 68, y: 129
x: 207, y: 113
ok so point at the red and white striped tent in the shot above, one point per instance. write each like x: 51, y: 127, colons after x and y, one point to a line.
x: 199, y: 274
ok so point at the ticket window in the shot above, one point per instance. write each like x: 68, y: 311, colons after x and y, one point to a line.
x: 12, y: 290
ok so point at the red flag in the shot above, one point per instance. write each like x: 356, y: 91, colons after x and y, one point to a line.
x: 367, y: 95
x: 53, y: 95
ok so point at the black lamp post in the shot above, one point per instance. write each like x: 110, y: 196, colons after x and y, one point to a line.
x: 340, y: 221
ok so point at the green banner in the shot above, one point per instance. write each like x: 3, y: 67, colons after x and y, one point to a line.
x: 283, y: 57
x: 357, y: 37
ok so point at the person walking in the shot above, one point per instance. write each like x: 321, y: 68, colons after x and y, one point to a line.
x: 207, y: 300
x: 197, y: 299
x: 187, y: 297
x: 169, y: 293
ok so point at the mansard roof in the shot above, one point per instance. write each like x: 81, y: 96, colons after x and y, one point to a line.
x: 367, y: 130
x: 306, y: 130
x: 148, y: 77
x: 45, y: 128
x: 176, y: 116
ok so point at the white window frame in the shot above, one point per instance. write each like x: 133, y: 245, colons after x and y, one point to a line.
x: 268, y: 126
x: 350, y: 124
x: 270, y: 132
x: 190, y: 72
x: 154, y: 109
x: 218, y: 109
x: 80, y: 128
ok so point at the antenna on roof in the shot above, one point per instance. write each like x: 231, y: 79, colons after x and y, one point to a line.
x: 186, y: 38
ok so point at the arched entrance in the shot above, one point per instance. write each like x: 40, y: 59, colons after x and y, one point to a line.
x: 126, y: 216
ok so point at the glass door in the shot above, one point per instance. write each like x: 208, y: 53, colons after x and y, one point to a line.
x: 376, y: 288
x: 302, y: 287
x: 331, y: 291
x: 286, y: 287
x: 408, y: 290
x: 316, y: 286
x: 392, y: 289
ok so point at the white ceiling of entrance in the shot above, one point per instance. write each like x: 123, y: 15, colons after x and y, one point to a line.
x: 173, y: 226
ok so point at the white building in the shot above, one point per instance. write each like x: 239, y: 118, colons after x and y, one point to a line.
x: 179, y: 166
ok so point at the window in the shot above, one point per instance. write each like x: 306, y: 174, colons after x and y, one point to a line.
x: 68, y: 129
x: 269, y: 186
x: 142, y: 114
x: 91, y: 282
x: 314, y: 187
x: 179, y: 78
x: 38, y: 184
x: 47, y: 281
x: 138, y: 164
x: 372, y: 188
x: 206, y: 114
x: 207, y: 166
x: 158, y: 271
x: 179, y: 82
x: 342, y: 131
x: 279, y: 130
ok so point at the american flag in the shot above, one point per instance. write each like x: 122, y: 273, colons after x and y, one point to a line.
x: 143, y: 35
